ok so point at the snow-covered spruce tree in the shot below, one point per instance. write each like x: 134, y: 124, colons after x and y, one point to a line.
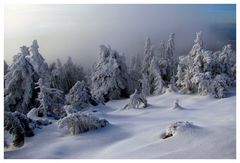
x: 19, y: 84
x: 204, y: 72
x: 109, y: 76
x: 39, y: 64
x: 72, y: 74
x: 145, y: 85
x: 79, y: 96
x: 78, y: 123
x: 227, y: 61
x: 219, y: 85
x: 148, y: 55
x: 51, y: 101
x: 146, y: 71
x: 159, y: 66
x: 157, y: 83
x: 190, y: 65
x: 19, y: 126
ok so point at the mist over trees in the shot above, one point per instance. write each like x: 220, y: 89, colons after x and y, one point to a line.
x: 60, y: 90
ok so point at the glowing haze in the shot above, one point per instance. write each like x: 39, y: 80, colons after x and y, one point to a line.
x: 78, y: 30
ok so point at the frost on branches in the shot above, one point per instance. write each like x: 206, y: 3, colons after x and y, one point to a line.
x: 205, y: 72
x: 109, y: 76
x: 78, y: 123
x: 39, y: 64
x: 136, y: 99
x: 19, y: 126
x: 159, y: 67
x: 79, y: 96
x: 51, y: 101
x: 63, y: 77
x: 158, y: 85
x: 19, y: 84
x: 219, y: 85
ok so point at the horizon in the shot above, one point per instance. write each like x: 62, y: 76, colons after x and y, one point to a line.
x: 79, y: 30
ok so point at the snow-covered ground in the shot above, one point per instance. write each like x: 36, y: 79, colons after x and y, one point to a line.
x: 136, y: 133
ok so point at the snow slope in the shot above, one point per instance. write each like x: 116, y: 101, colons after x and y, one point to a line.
x: 135, y: 133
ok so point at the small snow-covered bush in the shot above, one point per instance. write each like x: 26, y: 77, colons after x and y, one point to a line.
x: 33, y: 115
x: 136, y: 99
x: 176, y: 105
x: 19, y: 126
x: 79, y: 96
x: 78, y: 123
x: 177, y: 127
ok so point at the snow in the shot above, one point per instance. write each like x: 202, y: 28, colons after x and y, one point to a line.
x: 136, y: 133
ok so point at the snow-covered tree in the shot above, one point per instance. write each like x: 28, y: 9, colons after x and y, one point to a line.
x: 146, y: 71
x: 145, y: 85
x: 198, y: 44
x: 157, y: 83
x: 227, y: 61
x: 159, y: 66
x: 39, y: 64
x: 148, y: 55
x: 78, y: 123
x: 79, y: 96
x: 109, y: 76
x: 204, y: 72
x: 219, y: 85
x: 19, y: 84
x: 19, y: 126
x: 170, y: 45
x: 51, y: 101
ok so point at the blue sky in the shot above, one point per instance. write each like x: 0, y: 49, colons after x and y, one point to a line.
x: 78, y: 30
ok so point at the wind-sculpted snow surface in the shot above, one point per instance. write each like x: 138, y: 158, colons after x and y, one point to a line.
x: 206, y: 129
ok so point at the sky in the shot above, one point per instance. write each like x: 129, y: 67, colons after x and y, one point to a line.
x: 79, y: 30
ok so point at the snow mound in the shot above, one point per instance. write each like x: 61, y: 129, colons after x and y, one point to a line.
x: 179, y: 128
x: 78, y: 123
